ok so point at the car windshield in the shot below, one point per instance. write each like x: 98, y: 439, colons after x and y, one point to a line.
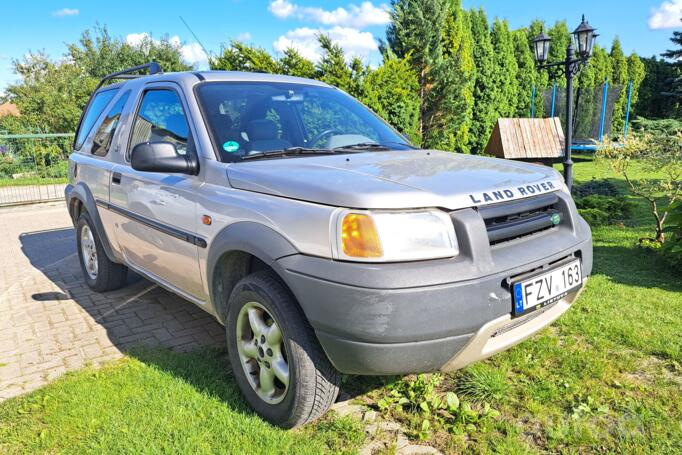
x: 249, y: 119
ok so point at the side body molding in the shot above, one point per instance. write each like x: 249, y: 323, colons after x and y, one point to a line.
x: 82, y: 193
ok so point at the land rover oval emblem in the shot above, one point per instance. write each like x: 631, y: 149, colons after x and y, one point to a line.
x: 556, y: 219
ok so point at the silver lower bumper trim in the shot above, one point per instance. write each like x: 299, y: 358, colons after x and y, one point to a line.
x: 503, y: 332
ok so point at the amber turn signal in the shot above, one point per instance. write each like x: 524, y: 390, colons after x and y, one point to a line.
x: 359, y: 237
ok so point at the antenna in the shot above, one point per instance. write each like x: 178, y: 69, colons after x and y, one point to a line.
x: 195, y: 36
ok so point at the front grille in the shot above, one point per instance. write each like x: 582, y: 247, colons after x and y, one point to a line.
x: 511, y: 220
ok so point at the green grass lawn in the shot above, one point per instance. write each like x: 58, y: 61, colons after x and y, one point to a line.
x: 24, y: 181
x: 607, y: 377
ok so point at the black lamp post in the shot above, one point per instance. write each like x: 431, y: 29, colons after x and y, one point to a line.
x: 584, y: 37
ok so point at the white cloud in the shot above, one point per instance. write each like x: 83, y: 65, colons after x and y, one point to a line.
x: 135, y: 39
x: 246, y: 36
x: 667, y: 15
x: 354, y: 42
x: 66, y: 12
x: 282, y: 8
x: 191, y: 53
x: 366, y: 14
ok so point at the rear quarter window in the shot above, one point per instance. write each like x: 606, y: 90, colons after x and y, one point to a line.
x: 101, y: 140
x: 92, y: 113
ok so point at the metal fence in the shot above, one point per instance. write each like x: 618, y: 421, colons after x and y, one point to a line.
x: 33, y: 167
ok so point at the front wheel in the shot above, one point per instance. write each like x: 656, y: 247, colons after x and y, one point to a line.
x: 276, y: 359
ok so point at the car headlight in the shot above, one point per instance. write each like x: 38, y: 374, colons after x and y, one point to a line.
x: 389, y: 236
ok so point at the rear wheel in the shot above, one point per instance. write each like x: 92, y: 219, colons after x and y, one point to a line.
x: 100, y: 273
x: 276, y: 359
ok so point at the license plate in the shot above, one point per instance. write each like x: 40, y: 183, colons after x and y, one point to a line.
x: 546, y: 288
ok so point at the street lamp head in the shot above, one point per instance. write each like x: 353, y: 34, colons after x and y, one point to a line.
x: 584, y: 36
x: 541, y: 47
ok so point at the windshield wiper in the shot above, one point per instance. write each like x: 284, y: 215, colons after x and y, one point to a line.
x: 291, y: 151
x: 364, y: 146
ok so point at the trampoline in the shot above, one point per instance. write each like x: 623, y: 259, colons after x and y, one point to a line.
x: 593, y: 112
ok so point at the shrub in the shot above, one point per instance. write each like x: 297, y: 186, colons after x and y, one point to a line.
x: 600, y: 202
x: 672, y: 248
x: 659, y: 154
x: 599, y: 210
x: 8, y: 166
x: 657, y: 126
x: 594, y: 186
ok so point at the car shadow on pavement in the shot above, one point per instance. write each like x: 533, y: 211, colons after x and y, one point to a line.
x: 141, y: 320
x: 139, y: 314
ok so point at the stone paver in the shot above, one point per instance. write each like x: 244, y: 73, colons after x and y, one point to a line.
x: 50, y: 321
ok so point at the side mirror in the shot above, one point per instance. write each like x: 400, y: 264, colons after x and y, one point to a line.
x: 162, y: 157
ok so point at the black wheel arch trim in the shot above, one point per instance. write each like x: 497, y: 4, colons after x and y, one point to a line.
x: 82, y: 193
x: 249, y: 237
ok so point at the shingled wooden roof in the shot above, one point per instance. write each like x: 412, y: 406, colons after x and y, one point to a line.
x: 527, y: 138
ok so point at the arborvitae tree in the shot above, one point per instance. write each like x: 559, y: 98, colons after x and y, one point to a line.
x: 651, y: 103
x: 358, y: 73
x: 619, y: 77
x: 332, y: 67
x: 557, y: 49
x: 416, y: 31
x: 602, y: 65
x: 294, y: 64
x: 588, y: 94
x: 541, y: 76
x: 392, y: 91
x: 527, y: 74
x: 450, y: 101
x: 242, y: 57
x: 485, y: 89
x: 506, y: 69
x: 636, y: 73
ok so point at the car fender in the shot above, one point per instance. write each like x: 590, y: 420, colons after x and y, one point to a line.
x: 249, y: 237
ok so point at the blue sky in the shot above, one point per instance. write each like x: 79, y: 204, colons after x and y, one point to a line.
x: 644, y: 26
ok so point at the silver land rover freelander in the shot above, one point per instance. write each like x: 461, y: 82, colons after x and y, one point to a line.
x: 320, y: 238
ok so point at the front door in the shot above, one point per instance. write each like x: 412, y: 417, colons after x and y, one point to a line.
x: 156, y: 212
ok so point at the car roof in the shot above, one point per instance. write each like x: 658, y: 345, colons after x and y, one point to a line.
x: 194, y: 77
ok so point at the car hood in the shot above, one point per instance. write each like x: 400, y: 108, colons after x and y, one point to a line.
x: 395, y: 179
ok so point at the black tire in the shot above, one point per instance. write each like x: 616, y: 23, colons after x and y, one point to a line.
x: 313, y: 381
x: 110, y: 275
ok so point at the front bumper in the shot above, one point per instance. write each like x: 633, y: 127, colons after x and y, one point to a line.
x: 431, y: 315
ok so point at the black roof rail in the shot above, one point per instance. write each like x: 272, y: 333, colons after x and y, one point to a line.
x: 153, y: 68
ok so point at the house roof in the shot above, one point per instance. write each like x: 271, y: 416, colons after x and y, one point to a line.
x: 9, y: 109
x: 526, y: 138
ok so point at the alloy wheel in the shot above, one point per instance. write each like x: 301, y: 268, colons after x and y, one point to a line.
x: 262, y: 352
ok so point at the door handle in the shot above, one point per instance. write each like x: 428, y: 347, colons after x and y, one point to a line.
x: 116, y: 178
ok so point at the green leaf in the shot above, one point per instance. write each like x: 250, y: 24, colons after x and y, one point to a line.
x: 425, y: 407
x: 453, y: 401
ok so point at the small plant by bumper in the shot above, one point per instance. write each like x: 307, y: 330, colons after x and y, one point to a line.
x: 427, y: 409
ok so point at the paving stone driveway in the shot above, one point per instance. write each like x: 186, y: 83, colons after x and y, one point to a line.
x: 50, y: 322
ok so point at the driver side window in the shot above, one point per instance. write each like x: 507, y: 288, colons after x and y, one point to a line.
x: 161, y: 118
